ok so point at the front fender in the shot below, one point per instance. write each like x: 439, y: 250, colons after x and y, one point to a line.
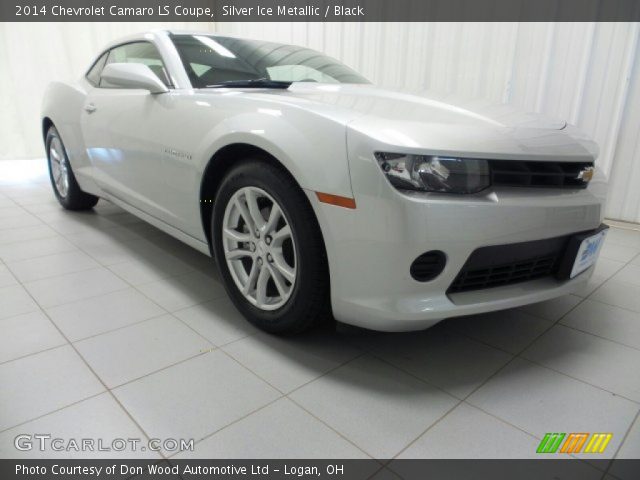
x: 314, y: 153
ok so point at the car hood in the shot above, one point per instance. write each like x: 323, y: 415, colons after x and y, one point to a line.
x: 427, y: 122
x: 424, y: 106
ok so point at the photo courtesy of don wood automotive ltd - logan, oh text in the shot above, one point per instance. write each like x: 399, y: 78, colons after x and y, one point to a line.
x: 335, y: 239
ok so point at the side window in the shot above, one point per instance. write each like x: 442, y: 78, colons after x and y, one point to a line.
x: 139, y: 52
x: 93, y: 75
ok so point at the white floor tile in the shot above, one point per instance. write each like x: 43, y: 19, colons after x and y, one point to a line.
x: 15, y: 300
x: 143, y: 230
x: 539, y: 400
x: 289, y: 362
x: 42, y: 207
x: 183, y: 291
x: 617, y: 252
x: 184, y: 252
x: 69, y: 223
x: 16, y: 217
x: 217, y: 320
x: 447, y: 359
x: 488, y: 438
x: 280, y: 430
x: 376, y: 406
x: 51, y: 265
x: 607, y: 268
x: 114, y: 245
x: 41, y: 383
x: 122, y: 218
x: 99, y: 418
x: 592, y: 359
x: 103, y: 313
x: 128, y: 353
x: 26, y: 190
x: 620, y: 468
x: 606, y: 321
x: 621, y: 236
x: 592, y: 285
x: 71, y: 287
x: 26, y: 334
x: 553, y: 310
x: 11, y: 210
x: 46, y: 197
x: 25, y: 234
x: 39, y: 247
x: 141, y: 271
x: 81, y: 267
x: 194, y: 398
x: 628, y: 274
x: 510, y: 330
x: 631, y: 446
x: 619, y: 294
x: 96, y: 238
x: 6, y: 277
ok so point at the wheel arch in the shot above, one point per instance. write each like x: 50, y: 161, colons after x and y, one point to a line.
x: 47, y: 123
x: 216, y: 169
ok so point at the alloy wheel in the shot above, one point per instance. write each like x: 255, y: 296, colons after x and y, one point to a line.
x: 59, y: 166
x: 259, y: 248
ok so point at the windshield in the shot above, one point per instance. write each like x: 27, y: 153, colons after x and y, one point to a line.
x: 212, y: 60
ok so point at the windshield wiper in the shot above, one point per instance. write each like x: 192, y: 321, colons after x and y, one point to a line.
x: 252, y: 83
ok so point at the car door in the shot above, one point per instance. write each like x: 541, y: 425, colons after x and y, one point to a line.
x: 126, y: 132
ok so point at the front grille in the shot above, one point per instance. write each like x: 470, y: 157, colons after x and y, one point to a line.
x: 515, y: 173
x: 499, y: 265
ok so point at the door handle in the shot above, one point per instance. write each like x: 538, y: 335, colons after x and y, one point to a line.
x: 90, y: 108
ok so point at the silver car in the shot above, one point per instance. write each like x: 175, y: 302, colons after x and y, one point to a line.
x: 322, y: 195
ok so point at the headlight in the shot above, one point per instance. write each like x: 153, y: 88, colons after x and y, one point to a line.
x: 435, y: 173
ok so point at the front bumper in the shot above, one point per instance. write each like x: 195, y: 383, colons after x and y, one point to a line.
x: 371, y: 248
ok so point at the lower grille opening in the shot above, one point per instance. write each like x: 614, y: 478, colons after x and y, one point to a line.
x: 500, y: 265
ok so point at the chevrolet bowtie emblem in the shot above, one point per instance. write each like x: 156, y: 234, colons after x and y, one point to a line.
x: 586, y: 174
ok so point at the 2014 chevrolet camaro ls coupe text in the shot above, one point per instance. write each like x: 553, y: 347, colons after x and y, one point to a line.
x: 318, y: 192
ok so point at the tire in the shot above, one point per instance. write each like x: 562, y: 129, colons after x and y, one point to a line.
x: 63, y: 181
x: 305, y: 303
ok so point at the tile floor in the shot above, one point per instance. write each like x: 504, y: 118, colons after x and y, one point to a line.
x: 110, y: 328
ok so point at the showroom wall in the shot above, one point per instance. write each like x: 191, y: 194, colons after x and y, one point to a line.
x: 586, y: 73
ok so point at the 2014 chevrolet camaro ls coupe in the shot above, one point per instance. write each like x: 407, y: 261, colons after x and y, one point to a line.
x: 318, y: 192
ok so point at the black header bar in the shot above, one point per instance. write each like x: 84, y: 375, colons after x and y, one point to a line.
x: 320, y: 10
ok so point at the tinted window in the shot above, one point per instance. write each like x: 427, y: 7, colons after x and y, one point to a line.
x: 93, y: 75
x: 211, y: 60
x: 139, y: 52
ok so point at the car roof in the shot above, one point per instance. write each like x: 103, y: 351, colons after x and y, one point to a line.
x: 150, y: 34
x: 193, y: 32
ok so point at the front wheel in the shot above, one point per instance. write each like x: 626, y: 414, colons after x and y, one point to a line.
x: 269, y: 249
x: 64, y: 183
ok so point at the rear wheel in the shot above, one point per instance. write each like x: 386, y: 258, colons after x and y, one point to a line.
x: 269, y: 249
x: 63, y: 181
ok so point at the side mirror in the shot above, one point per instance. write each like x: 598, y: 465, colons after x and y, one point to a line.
x: 133, y: 75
